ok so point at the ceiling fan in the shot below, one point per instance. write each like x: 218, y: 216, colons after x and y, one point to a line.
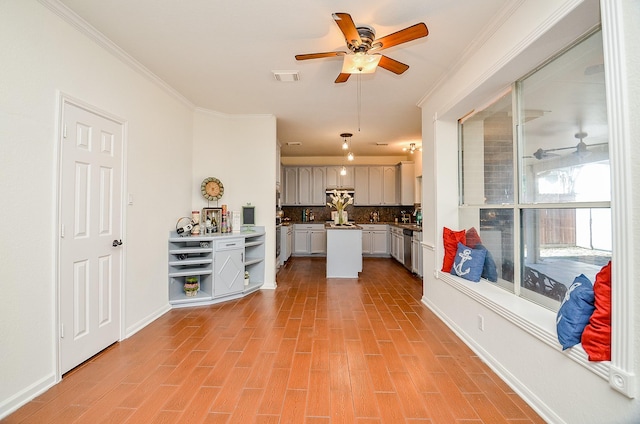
x: 361, y: 41
x: 581, y: 149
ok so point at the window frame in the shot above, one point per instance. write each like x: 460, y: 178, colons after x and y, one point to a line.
x: 620, y: 370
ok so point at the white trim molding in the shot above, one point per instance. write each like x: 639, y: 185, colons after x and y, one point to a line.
x: 621, y: 375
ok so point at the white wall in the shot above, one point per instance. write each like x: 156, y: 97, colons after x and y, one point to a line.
x: 240, y: 151
x: 170, y: 149
x: 40, y: 55
x: 559, y: 387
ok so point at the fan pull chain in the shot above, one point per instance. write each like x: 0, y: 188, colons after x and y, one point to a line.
x: 359, y: 97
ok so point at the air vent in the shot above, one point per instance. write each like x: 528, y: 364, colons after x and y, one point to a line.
x: 380, y: 143
x: 286, y: 76
x: 294, y: 143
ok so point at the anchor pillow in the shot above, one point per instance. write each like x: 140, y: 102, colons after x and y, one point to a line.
x: 468, y: 263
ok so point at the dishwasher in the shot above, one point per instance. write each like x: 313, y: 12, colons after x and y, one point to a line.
x: 407, y: 235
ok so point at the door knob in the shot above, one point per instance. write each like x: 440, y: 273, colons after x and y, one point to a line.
x: 117, y: 243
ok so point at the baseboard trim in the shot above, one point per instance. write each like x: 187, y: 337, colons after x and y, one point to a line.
x: 21, y: 398
x: 130, y: 331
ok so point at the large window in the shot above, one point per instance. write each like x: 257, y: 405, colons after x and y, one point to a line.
x: 535, y: 175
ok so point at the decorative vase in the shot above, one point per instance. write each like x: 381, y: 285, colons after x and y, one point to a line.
x: 191, y: 286
x: 340, y: 217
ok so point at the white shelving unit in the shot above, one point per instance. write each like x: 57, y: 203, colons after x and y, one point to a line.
x: 220, y: 270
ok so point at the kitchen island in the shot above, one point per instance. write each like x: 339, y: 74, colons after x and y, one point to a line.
x: 344, y: 250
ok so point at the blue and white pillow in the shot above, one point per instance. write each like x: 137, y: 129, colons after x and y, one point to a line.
x: 468, y: 263
x: 575, y: 311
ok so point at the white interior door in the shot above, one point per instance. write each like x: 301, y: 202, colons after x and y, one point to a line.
x: 90, y: 222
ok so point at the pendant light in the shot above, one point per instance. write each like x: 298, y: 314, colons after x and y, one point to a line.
x: 346, y: 145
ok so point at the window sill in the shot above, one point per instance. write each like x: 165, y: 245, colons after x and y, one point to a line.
x: 532, y: 318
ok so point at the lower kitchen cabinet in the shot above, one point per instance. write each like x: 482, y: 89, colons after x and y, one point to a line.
x: 286, y: 243
x: 228, y: 267
x: 218, y: 264
x: 397, y: 244
x: 309, y: 239
x: 375, y: 239
x: 416, y: 253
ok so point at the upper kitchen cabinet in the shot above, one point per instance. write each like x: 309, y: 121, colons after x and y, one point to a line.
x: 407, y: 180
x: 336, y: 180
x: 304, y: 186
x: 376, y: 185
x: 290, y: 188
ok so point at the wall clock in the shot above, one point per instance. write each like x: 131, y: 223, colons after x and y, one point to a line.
x: 212, y: 188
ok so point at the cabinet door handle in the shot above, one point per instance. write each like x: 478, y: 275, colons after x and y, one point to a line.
x: 117, y: 243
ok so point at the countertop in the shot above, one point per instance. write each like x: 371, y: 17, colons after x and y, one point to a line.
x: 412, y: 226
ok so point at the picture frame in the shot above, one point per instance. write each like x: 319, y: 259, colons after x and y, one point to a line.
x: 248, y: 217
x: 215, y: 216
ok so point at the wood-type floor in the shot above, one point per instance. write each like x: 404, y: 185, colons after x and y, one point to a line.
x: 314, y: 351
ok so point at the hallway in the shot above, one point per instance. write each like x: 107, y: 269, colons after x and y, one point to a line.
x: 313, y: 351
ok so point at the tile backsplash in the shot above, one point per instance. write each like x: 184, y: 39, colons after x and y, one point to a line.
x: 359, y: 214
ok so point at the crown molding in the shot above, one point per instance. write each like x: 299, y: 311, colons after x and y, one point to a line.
x: 101, y: 40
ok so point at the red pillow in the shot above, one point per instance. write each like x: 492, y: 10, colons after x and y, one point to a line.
x: 473, y: 238
x: 596, y: 338
x: 451, y: 239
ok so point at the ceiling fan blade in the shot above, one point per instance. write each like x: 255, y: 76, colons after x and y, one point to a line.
x: 318, y: 55
x: 408, y: 34
x: 342, y: 78
x: 392, y: 65
x: 348, y: 28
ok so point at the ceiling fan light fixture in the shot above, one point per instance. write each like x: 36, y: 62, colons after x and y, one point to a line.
x: 360, y: 63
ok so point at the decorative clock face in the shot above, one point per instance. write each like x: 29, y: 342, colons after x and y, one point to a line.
x: 212, y: 188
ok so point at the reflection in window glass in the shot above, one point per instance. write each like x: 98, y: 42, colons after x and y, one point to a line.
x: 556, y: 222
x: 487, y: 155
x: 560, y: 244
x: 564, y: 128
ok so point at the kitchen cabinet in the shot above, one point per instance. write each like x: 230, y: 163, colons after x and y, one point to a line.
x: 286, y: 242
x: 407, y: 182
x: 361, y: 185
x: 375, y: 185
x: 335, y: 180
x: 290, y: 186
x: 397, y: 244
x: 219, y: 262
x: 309, y: 239
x: 375, y: 239
x: 389, y: 185
x: 318, y: 185
x: 416, y: 253
x: 304, y: 185
x: 228, y: 267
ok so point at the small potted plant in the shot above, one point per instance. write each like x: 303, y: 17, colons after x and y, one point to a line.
x: 191, y: 286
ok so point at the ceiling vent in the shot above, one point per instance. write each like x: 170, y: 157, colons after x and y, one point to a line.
x: 286, y: 76
x: 381, y: 143
x: 294, y: 143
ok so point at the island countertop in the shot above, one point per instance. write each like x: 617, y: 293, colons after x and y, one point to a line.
x: 332, y: 226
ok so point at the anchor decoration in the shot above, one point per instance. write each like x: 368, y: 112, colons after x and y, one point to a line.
x: 465, y: 256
